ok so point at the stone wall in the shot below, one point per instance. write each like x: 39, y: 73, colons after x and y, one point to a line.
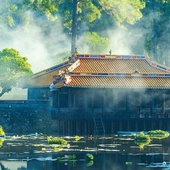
x: 26, y: 117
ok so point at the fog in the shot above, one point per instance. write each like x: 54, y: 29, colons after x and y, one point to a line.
x: 40, y: 49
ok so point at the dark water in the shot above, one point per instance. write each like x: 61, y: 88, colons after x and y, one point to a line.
x: 116, y: 152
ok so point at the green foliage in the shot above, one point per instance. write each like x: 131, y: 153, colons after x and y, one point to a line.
x: 142, y: 140
x: 95, y: 43
x: 90, y: 156
x: 55, y: 140
x: 62, y: 57
x: 155, y: 23
x: 2, y: 131
x: 88, y: 7
x: 11, y: 14
x: 47, y: 7
x: 77, y: 138
x: 90, y: 163
x: 124, y: 10
x: 14, y: 70
x: 142, y: 137
x: 128, y: 163
x: 1, y: 142
x: 158, y: 134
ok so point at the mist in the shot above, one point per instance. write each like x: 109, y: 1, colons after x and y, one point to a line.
x: 40, y: 49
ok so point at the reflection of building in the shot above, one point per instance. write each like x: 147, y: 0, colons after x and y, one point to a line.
x: 105, y: 93
x: 102, y: 161
x: 13, y: 165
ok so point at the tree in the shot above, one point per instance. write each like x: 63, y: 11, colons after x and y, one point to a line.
x: 95, y: 43
x: 93, y: 15
x: 155, y: 24
x: 14, y: 70
x: 47, y: 7
x: 11, y: 13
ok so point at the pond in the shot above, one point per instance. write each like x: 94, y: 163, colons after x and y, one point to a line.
x: 115, y: 152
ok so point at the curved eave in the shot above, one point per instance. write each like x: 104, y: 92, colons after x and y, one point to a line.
x: 116, y: 87
x: 119, y: 82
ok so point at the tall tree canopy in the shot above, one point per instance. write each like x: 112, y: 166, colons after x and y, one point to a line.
x: 93, y: 15
x: 14, y: 70
x: 98, y: 16
x: 155, y: 24
x: 89, y: 10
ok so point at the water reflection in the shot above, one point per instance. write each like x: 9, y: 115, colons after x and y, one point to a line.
x: 94, y: 153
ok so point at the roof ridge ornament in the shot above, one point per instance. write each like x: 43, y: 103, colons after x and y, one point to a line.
x: 136, y: 71
x: 62, y: 76
x: 74, y: 57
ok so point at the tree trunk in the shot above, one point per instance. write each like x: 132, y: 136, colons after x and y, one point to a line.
x: 74, y: 27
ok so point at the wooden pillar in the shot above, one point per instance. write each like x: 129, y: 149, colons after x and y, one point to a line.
x: 163, y: 102
x: 136, y: 125
x: 85, y: 100
x: 77, y: 128
x: 69, y: 101
x: 92, y: 100
x: 85, y: 128
x: 128, y: 125
x: 127, y: 105
x: 58, y: 101
x: 152, y: 104
x: 69, y: 127
x: 104, y: 101
x: 74, y: 105
x: 120, y: 124
x: 144, y: 125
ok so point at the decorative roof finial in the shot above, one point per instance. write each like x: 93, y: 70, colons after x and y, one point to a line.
x: 110, y: 52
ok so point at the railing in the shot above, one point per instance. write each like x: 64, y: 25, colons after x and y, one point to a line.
x: 14, y: 104
x: 65, y: 113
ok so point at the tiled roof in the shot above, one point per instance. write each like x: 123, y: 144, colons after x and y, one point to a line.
x: 119, y: 82
x: 88, y: 65
x: 105, y: 71
x: 46, y: 77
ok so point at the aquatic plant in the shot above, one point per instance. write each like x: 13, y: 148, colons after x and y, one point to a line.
x: 77, y: 138
x: 128, y: 163
x: 59, y: 148
x: 2, y: 133
x: 90, y: 156
x: 158, y: 134
x: 142, y: 137
x: 90, y: 163
x: 142, y: 140
x: 55, y: 140
x: 1, y: 142
x: 71, y: 159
